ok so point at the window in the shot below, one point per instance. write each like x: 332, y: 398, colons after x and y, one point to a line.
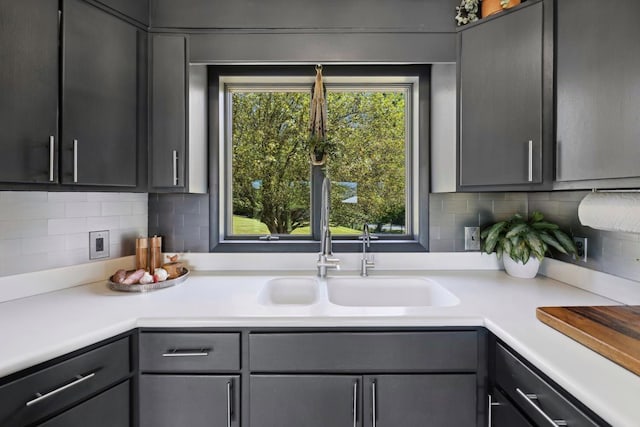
x: 268, y: 189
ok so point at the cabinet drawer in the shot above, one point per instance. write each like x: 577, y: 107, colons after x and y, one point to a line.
x: 189, y: 352
x: 364, y: 351
x: 49, y: 390
x: 518, y: 381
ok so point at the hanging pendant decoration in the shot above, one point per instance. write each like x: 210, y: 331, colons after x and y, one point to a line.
x: 318, y: 124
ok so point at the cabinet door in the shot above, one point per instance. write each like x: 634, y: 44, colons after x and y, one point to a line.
x: 99, y: 97
x: 108, y: 409
x: 189, y: 400
x: 168, y: 111
x: 504, y: 414
x: 501, y: 89
x: 28, y: 90
x: 420, y: 400
x: 304, y: 401
x: 598, y: 90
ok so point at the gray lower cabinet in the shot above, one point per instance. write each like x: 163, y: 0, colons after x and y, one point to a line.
x: 189, y: 400
x: 108, y: 409
x: 505, y: 99
x: 598, y: 90
x: 305, y: 400
x: 366, y: 378
x: 414, y: 400
x: 528, y: 394
x: 72, y: 391
x: 28, y: 91
x: 99, y: 97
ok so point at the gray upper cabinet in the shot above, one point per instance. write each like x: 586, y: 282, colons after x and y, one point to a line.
x: 99, y: 97
x: 168, y: 111
x: 598, y: 91
x: 506, y: 101
x: 179, y: 92
x: 29, y: 91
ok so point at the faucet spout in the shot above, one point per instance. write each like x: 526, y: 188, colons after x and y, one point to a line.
x: 365, y: 262
x: 325, y: 257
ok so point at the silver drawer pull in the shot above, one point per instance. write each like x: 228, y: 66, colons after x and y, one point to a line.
x: 229, y: 405
x: 355, y: 404
x: 374, y: 410
x: 79, y: 379
x: 490, y: 410
x: 175, y: 167
x: 174, y: 352
x: 530, y: 175
x: 52, y: 150
x: 529, y: 398
x: 75, y: 160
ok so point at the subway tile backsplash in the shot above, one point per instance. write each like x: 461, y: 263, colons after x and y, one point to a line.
x: 607, y: 251
x: 449, y: 213
x: 610, y: 252
x: 41, y: 230
x: 182, y: 220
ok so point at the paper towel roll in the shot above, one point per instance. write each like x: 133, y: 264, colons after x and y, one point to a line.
x: 611, y: 211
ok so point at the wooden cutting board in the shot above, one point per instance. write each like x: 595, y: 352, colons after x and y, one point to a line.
x: 612, y: 331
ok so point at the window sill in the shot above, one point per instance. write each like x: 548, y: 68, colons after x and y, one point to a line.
x: 251, y: 246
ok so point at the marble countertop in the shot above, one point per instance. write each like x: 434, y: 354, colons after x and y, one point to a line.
x: 38, y: 328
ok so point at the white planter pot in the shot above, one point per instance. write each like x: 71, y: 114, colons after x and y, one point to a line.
x: 519, y: 270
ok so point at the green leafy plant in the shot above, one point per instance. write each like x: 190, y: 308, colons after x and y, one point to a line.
x: 522, y: 239
x: 467, y: 12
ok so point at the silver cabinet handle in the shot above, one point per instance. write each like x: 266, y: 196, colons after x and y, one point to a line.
x: 75, y: 160
x: 52, y: 150
x: 530, y: 177
x: 79, y: 379
x: 374, y: 411
x: 175, y: 352
x: 175, y: 167
x: 490, y: 410
x: 529, y: 398
x: 355, y: 404
x: 229, y: 406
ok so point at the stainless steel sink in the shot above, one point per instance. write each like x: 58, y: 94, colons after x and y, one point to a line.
x: 392, y: 291
x: 290, y: 291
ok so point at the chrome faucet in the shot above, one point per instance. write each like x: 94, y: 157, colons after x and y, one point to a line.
x: 366, y: 238
x: 325, y: 257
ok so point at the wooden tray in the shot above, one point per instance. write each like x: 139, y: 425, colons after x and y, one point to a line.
x: 612, y: 331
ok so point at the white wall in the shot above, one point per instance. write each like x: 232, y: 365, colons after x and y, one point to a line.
x: 41, y: 230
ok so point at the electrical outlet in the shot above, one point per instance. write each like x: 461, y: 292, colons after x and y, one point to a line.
x: 472, y: 238
x: 98, y: 244
x: 581, y: 246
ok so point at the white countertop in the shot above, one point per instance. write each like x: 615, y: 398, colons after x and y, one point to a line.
x: 38, y: 328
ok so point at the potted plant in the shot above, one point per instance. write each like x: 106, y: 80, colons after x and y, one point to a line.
x: 489, y: 7
x: 319, y: 149
x: 523, y: 243
x: 468, y: 10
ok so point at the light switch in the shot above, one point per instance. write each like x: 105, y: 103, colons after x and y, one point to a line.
x: 99, y: 244
x: 472, y: 238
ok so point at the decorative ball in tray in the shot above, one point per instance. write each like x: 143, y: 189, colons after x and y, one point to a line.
x: 141, y: 280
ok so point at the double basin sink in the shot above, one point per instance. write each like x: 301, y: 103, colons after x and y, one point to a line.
x: 376, y: 291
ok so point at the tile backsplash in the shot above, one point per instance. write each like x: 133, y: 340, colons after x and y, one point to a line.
x: 449, y: 213
x: 182, y: 220
x: 610, y: 252
x: 42, y: 230
x: 607, y: 251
